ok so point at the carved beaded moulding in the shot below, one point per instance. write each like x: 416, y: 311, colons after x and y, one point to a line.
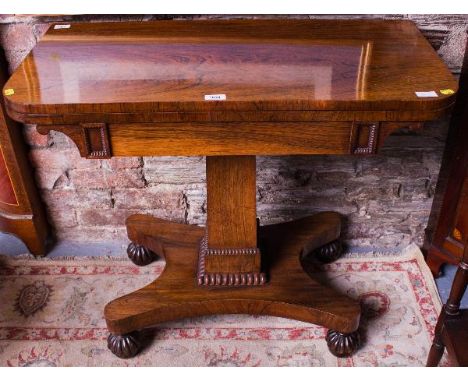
x: 231, y: 251
x: 367, y: 131
x: 225, y: 278
x: 96, y: 140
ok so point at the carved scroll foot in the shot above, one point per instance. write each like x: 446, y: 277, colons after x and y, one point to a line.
x: 140, y: 255
x: 343, y: 344
x: 124, y: 346
x: 329, y: 253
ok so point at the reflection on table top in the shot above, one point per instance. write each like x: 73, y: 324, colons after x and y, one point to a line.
x: 253, y: 64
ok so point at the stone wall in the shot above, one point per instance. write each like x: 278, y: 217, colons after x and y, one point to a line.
x: 386, y: 198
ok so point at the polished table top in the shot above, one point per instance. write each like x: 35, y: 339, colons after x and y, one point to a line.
x: 256, y: 65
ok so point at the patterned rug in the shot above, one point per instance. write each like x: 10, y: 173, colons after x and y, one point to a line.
x: 51, y: 315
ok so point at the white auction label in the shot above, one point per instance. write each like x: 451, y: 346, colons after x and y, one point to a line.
x: 62, y: 26
x: 426, y: 94
x: 215, y: 97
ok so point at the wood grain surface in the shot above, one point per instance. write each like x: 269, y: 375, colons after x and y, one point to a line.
x: 290, y: 292
x: 7, y: 193
x: 21, y: 209
x: 260, y: 65
x: 231, y: 200
x: 284, y: 87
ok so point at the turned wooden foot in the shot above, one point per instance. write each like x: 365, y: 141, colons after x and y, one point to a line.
x: 343, y: 344
x: 140, y: 255
x: 329, y: 252
x: 125, y: 345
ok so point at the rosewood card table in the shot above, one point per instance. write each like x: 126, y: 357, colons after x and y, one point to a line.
x: 231, y: 90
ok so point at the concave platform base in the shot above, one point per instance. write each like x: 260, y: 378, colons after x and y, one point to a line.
x: 289, y: 291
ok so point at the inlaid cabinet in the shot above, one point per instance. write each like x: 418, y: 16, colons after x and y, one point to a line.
x: 21, y: 209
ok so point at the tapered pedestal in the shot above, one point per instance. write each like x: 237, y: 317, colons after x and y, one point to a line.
x: 233, y: 266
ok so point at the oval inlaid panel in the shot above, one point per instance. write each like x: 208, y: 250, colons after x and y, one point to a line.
x: 7, y: 194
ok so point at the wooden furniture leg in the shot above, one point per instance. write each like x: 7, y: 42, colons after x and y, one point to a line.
x: 21, y: 210
x: 448, y: 222
x: 451, y: 331
x: 231, y: 267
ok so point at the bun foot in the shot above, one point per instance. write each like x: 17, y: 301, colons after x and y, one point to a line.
x: 328, y: 252
x: 140, y: 255
x: 343, y: 344
x: 124, y: 346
